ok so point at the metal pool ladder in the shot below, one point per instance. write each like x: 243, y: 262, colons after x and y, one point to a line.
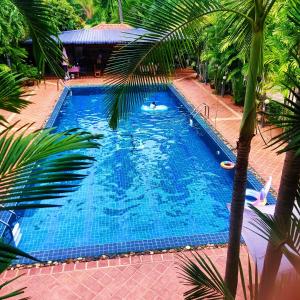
x: 199, y: 110
x: 14, y: 230
x: 61, y: 82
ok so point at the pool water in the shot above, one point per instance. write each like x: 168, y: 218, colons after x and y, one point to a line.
x: 155, y: 179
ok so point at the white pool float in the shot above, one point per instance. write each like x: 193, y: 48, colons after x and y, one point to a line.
x: 259, y: 196
x: 156, y: 108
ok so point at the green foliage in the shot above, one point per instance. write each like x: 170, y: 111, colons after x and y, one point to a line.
x: 89, y: 10
x: 282, y: 35
x: 12, y: 30
x: 37, y: 15
x: 12, y: 24
x: 200, y: 273
x: 4, y: 68
x: 94, y: 12
x: 289, y: 112
x: 64, y: 16
x: 275, y: 112
x: 239, y: 90
x: 28, y: 71
x: 11, y: 93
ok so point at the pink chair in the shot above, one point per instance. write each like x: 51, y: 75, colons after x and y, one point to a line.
x: 75, y: 70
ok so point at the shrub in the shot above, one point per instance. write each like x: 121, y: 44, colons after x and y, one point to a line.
x: 239, y: 90
x: 28, y: 71
x: 274, y: 110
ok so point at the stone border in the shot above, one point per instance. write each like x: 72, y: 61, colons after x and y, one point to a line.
x: 117, y: 256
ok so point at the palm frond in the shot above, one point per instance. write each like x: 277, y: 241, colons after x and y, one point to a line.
x: 239, y: 30
x: 11, y: 93
x: 38, y: 166
x: 280, y: 234
x: 294, y: 13
x: 289, y: 139
x: 268, y: 6
x: 9, y: 253
x: 150, y: 58
x: 15, y: 293
x: 203, y: 277
x: 37, y: 15
x: 205, y: 281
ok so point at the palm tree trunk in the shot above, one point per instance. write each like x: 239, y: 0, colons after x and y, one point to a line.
x: 240, y: 178
x: 284, y: 207
x: 120, y: 11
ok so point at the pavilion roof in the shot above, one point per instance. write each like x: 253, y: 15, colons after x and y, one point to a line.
x: 100, y: 34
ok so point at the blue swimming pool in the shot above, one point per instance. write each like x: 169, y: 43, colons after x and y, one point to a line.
x: 157, y: 183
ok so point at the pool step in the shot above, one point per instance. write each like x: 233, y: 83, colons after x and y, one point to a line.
x: 16, y: 232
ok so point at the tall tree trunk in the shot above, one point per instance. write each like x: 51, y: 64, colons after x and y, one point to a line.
x: 240, y: 178
x: 120, y: 11
x: 284, y: 207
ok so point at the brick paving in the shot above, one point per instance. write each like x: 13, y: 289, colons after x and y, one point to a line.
x: 145, y: 277
x: 136, y: 277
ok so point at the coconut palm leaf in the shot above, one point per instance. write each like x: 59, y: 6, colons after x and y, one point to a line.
x: 8, y: 253
x: 206, y: 282
x: 14, y: 293
x: 289, y: 121
x: 294, y: 14
x: 150, y: 58
x: 39, y: 166
x: 200, y: 273
x: 240, y: 29
x: 289, y: 139
x: 37, y: 15
x: 35, y: 167
x: 280, y: 234
x: 11, y: 93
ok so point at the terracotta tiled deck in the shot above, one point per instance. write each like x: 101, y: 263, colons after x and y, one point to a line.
x: 149, y: 277
x: 138, y: 277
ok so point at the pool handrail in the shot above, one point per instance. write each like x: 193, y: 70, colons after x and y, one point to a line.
x: 200, y: 108
x: 6, y: 225
x: 60, y: 81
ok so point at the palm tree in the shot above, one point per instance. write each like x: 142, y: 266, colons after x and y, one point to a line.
x: 170, y: 26
x: 287, y: 191
x: 291, y: 169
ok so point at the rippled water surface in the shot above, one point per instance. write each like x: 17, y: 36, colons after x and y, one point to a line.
x: 155, y: 177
